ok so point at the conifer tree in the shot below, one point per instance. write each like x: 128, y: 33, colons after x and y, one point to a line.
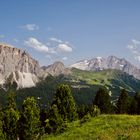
x: 29, y: 123
x: 65, y: 103
x: 10, y: 119
x: 123, y: 102
x: 54, y: 123
x: 102, y: 100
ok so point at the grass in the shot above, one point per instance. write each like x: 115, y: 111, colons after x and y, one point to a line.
x: 104, y: 127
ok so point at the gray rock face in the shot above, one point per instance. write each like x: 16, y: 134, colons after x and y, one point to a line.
x: 110, y: 62
x: 55, y: 69
x: 18, y: 65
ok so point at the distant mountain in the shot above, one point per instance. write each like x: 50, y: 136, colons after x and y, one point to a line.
x: 111, y: 62
x: 84, y: 85
x: 55, y: 69
x: 17, y: 66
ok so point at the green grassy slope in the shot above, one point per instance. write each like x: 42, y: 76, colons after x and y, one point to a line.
x: 104, y: 127
x: 84, y: 85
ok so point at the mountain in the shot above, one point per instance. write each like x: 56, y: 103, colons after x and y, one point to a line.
x: 17, y: 66
x: 111, y: 62
x: 55, y: 69
x: 84, y: 86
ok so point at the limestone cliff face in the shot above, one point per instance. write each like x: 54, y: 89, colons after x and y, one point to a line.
x: 18, y: 65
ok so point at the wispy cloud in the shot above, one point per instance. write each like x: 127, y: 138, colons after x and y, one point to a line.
x: 55, y: 40
x: 37, y: 45
x: 134, y: 48
x: 65, y: 58
x: 54, y: 48
x: 30, y: 27
x: 64, y: 48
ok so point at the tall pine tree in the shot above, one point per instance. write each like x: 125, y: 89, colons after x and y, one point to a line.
x: 123, y: 102
x: 65, y: 103
x: 10, y: 119
x: 29, y: 123
x: 102, y: 100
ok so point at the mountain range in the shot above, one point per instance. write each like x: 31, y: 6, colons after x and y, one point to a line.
x: 84, y: 77
x: 18, y: 66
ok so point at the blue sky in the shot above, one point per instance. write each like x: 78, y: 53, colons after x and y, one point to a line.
x: 70, y: 30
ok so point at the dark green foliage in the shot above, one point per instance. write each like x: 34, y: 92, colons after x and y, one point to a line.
x: 94, y: 111
x: 86, y: 118
x: 82, y: 111
x: 29, y: 123
x: 1, y: 126
x: 123, y: 102
x: 102, y: 100
x: 10, y: 120
x: 11, y: 101
x: 137, y: 99
x: 64, y: 101
x: 133, y: 106
x: 54, y: 123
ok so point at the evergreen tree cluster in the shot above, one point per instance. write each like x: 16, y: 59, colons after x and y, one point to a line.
x: 30, y: 123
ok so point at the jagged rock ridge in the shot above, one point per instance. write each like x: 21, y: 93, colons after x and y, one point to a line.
x: 18, y: 66
x: 110, y: 62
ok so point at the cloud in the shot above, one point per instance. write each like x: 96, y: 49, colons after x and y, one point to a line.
x: 131, y: 47
x: 55, y: 40
x: 137, y: 58
x: 54, y: 49
x: 64, y: 48
x: 2, y: 36
x: 134, y: 48
x: 136, y: 42
x: 35, y: 44
x: 30, y: 27
x: 64, y: 58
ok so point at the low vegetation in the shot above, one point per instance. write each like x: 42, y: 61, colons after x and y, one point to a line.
x: 103, y: 127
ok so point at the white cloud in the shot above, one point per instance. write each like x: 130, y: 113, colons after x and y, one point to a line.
x: 35, y: 44
x: 2, y: 36
x: 136, y: 42
x: 64, y: 48
x: 133, y: 47
x: 30, y: 27
x: 64, y: 58
x: 53, y: 49
x: 55, y: 40
x: 137, y: 58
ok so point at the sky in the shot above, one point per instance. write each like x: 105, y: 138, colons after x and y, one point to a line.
x: 72, y: 30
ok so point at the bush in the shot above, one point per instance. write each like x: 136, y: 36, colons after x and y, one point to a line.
x: 95, y: 111
x: 86, y: 118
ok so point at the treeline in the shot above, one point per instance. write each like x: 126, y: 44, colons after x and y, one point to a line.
x: 31, y: 123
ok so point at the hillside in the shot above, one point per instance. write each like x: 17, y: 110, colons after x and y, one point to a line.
x: 104, y: 127
x: 84, y: 85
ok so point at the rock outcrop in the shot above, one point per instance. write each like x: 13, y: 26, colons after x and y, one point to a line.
x: 18, y: 66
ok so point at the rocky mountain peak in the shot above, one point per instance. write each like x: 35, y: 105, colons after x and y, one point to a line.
x: 55, y: 69
x: 111, y: 62
x: 14, y: 60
